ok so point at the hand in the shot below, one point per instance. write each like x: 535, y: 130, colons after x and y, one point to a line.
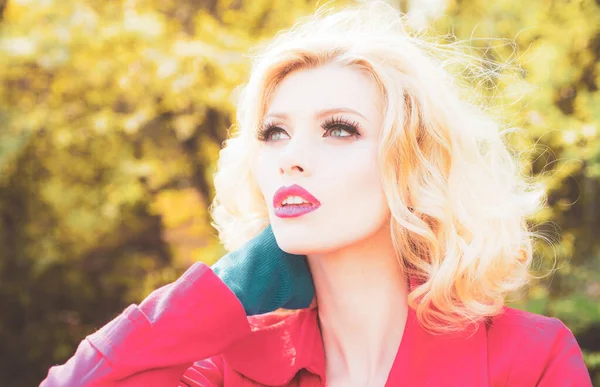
x: 266, y: 278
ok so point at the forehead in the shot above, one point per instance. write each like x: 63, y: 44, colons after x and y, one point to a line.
x: 327, y: 87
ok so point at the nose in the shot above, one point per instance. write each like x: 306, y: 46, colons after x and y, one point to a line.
x: 294, y: 158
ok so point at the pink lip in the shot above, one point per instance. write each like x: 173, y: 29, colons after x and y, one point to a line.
x: 294, y: 211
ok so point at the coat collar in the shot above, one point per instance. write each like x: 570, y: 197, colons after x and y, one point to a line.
x: 282, y: 344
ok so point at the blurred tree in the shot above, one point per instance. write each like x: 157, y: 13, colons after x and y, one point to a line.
x: 112, y: 114
x: 2, y: 8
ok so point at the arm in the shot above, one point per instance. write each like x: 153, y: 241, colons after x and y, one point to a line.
x: 194, y: 318
x: 154, y: 343
x: 565, y: 366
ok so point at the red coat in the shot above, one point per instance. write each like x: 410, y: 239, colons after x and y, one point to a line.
x: 194, y: 332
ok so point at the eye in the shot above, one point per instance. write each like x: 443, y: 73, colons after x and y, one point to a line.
x: 335, y: 124
x: 339, y: 130
x: 264, y: 133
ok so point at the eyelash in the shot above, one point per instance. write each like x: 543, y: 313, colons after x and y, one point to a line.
x: 351, y: 127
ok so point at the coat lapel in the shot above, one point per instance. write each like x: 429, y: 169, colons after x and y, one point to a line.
x: 425, y: 359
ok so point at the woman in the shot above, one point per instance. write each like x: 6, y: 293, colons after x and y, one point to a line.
x: 366, y: 196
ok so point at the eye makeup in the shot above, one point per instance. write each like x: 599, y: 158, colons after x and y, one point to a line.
x: 265, y: 131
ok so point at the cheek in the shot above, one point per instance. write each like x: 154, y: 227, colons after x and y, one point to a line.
x: 261, y: 171
x: 357, y: 179
x: 358, y: 211
x: 361, y: 197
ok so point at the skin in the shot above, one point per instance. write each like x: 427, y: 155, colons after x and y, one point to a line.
x: 361, y: 291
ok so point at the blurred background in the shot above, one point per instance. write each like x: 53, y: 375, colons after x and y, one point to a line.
x: 112, y: 114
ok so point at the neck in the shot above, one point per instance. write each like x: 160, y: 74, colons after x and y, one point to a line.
x: 361, y: 294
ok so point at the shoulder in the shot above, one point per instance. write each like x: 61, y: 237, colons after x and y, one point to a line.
x: 529, y: 346
x: 519, y: 322
x: 528, y: 330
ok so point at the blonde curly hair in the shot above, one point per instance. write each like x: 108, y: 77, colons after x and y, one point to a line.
x: 458, y: 200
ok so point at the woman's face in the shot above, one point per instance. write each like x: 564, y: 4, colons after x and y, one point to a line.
x: 309, y: 139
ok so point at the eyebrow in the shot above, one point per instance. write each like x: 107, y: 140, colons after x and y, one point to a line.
x: 320, y: 113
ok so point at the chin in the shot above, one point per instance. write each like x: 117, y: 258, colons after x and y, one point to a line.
x: 306, y: 235
x: 302, y: 243
x: 293, y: 244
